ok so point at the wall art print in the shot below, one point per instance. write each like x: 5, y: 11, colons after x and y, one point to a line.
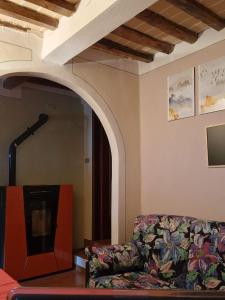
x: 211, y: 78
x: 181, y: 95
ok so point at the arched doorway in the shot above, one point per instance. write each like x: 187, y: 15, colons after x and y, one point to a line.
x: 112, y: 130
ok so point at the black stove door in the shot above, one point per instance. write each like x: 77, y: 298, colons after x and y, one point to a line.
x: 41, y: 209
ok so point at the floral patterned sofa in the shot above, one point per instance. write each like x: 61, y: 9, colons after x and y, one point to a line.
x: 165, y: 252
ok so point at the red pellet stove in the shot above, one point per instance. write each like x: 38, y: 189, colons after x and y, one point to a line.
x: 35, y: 223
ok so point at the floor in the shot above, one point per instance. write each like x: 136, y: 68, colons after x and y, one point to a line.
x: 73, y: 278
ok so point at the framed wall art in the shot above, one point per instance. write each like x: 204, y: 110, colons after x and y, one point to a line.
x: 181, y: 95
x: 211, y: 77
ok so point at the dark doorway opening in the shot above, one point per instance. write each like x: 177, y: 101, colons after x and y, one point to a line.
x: 100, y: 174
x: 101, y: 182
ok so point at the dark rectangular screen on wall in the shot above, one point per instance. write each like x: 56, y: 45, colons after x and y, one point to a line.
x: 216, y: 145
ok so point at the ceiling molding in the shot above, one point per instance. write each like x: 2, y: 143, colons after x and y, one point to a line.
x: 11, y: 52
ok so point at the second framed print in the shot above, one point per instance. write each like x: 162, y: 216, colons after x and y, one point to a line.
x: 211, y: 78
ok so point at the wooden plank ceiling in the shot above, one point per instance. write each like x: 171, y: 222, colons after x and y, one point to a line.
x: 157, y: 29
x: 163, y: 25
x: 35, y: 15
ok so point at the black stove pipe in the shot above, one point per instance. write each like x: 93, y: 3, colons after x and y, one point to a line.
x: 43, y: 118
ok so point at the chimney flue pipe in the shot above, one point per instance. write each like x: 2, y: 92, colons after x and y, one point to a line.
x: 43, y: 118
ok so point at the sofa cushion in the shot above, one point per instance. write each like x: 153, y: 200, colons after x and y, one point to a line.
x: 206, y: 268
x: 164, y: 242
x: 130, y: 280
x: 113, y: 259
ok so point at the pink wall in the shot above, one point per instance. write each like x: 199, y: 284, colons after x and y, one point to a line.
x: 175, y: 178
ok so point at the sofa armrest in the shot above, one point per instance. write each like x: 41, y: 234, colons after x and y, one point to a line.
x: 113, y: 259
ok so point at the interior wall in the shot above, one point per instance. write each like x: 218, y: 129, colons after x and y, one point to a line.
x: 175, y: 178
x: 114, y: 95
x: 55, y: 154
x: 120, y: 90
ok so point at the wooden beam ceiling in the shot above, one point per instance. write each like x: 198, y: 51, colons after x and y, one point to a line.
x: 152, y: 18
x: 15, y: 81
x: 143, y: 39
x: 59, y: 6
x: 200, y: 12
x: 26, y: 14
x: 47, y: 83
x: 122, y: 51
x: 167, y: 26
x: 14, y: 26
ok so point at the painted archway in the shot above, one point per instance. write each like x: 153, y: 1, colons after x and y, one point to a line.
x: 97, y: 103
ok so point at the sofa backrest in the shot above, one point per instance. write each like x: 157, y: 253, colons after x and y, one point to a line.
x: 185, y: 251
x: 206, y: 263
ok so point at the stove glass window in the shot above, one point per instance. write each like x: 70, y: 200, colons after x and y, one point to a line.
x: 41, y: 208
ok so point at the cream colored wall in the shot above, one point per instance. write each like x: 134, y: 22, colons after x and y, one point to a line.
x: 114, y: 95
x: 120, y: 90
x: 174, y: 172
x: 55, y: 154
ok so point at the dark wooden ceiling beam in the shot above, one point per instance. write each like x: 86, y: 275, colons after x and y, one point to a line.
x: 200, y: 12
x: 117, y: 49
x: 167, y: 26
x: 13, y: 26
x: 59, y: 6
x: 28, y: 15
x: 46, y: 82
x: 13, y: 82
x: 143, y: 39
